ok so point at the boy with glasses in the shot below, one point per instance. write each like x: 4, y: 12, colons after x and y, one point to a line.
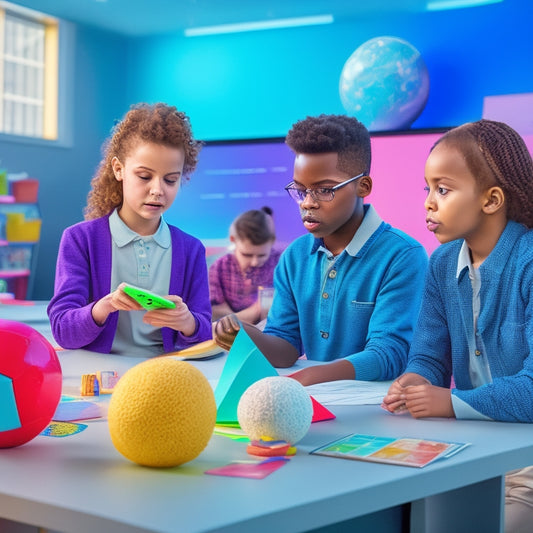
x: 347, y: 293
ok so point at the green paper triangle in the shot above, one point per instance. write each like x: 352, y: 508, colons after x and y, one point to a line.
x: 244, y: 366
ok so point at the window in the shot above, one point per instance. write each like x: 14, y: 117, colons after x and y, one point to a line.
x: 28, y: 73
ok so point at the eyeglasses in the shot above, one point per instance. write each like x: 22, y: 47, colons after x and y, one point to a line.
x: 320, y: 194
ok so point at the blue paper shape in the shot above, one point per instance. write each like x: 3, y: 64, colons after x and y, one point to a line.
x: 9, y: 415
x: 244, y: 366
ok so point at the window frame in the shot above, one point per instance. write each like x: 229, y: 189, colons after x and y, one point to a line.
x: 55, y: 130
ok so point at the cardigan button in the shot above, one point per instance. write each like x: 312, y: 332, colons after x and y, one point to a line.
x: 324, y: 334
x: 332, y: 274
x: 325, y: 295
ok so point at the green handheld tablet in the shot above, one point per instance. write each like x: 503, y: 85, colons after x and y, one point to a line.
x: 147, y: 299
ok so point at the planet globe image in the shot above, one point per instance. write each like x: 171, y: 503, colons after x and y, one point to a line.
x: 385, y: 84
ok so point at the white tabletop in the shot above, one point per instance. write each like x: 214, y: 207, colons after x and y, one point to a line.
x: 82, y: 484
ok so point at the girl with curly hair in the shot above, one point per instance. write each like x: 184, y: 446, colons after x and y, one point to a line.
x: 125, y: 239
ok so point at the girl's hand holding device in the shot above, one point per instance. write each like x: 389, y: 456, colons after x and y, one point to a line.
x: 170, y: 311
x: 147, y: 299
x: 179, y: 318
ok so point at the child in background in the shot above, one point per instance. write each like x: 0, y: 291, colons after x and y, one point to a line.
x: 234, y: 278
x: 348, y: 292
x: 476, y: 320
x: 126, y: 239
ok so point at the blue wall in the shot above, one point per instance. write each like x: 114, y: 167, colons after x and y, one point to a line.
x: 257, y: 84
x: 64, y: 172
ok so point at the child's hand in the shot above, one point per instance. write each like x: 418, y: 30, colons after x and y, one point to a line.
x: 225, y: 331
x: 394, y: 400
x: 117, y: 300
x: 428, y: 400
x: 179, y: 318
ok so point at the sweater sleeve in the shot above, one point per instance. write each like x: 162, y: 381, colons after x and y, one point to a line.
x: 430, y: 353
x: 70, y: 308
x: 392, y: 322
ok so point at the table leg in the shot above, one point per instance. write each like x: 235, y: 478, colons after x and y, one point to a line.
x: 477, y: 507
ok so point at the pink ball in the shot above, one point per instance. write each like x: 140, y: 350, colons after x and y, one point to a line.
x: 30, y: 383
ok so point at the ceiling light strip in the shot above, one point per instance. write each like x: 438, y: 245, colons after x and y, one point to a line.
x: 442, y: 5
x: 259, y: 25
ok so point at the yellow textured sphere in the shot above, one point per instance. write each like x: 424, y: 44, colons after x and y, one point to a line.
x: 276, y: 407
x: 162, y: 413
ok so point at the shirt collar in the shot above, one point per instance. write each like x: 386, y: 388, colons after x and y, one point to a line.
x: 463, y: 259
x: 499, y: 255
x: 370, y: 223
x: 123, y: 235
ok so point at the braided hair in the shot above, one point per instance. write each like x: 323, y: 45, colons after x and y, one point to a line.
x: 495, y: 154
x: 344, y: 135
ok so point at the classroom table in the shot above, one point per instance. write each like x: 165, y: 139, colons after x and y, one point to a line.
x: 82, y: 484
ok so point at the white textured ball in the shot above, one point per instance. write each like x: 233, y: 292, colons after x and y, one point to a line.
x: 275, y: 407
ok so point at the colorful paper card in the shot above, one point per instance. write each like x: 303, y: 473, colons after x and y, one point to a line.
x: 63, y: 429
x: 250, y: 469
x: 69, y: 410
x: 9, y: 415
x: 391, y: 450
x: 244, y: 366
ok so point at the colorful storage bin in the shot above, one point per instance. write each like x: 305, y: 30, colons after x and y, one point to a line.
x: 18, y: 229
x: 25, y: 191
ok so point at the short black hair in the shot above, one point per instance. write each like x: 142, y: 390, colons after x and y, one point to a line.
x: 344, y: 135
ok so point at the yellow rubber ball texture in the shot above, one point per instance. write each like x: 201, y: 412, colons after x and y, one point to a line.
x: 162, y: 413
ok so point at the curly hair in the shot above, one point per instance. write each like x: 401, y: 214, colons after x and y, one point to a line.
x: 154, y: 123
x: 496, y: 154
x: 255, y: 225
x: 344, y: 135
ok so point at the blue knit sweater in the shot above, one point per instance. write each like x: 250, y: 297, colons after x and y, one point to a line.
x: 364, y: 308
x: 440, y: 343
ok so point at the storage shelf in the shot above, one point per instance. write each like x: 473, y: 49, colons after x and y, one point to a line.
x: 15, y: 273
x: 17, y: 257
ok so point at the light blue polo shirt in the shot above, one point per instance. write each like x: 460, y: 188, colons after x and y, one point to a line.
x: 143, y: 261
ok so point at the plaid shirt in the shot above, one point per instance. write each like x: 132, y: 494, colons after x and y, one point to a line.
x: 227, y: 283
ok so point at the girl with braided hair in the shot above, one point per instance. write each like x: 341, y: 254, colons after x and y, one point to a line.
x: 476, y: 319
x: 126, y: 239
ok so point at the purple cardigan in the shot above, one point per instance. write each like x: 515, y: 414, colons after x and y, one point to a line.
x: 83, y: 276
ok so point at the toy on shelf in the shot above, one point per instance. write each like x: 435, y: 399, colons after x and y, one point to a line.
x: 30, y: 383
